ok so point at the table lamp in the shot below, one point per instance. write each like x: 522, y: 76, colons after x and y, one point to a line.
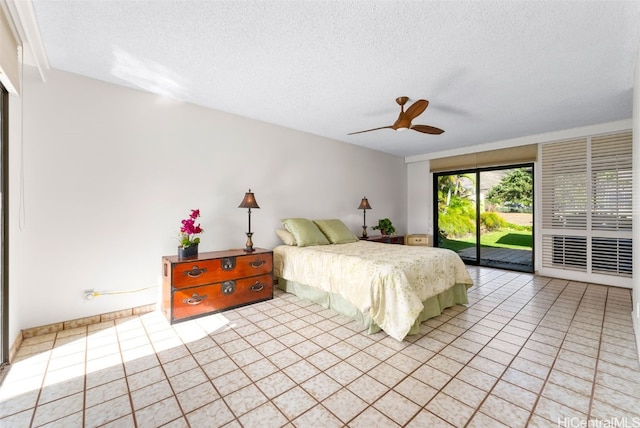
x: 249, y: 202
x: 364, y: 206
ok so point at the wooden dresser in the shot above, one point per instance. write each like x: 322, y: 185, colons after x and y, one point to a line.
x: 215, y: 281
x: 386, y: 239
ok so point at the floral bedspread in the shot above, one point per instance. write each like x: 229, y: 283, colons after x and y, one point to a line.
x: 389, y: 282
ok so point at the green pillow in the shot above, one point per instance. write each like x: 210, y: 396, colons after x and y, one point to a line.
x: 304, y: 231
x: 336, y: 231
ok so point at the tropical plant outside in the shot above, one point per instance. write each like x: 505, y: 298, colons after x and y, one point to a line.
x: 457, y: 214
x: 514, y: 192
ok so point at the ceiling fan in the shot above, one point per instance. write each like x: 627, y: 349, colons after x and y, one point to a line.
x: 404, y: 119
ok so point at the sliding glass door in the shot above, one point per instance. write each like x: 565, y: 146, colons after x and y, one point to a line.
x: 456, y: 213
x: 486, y: 215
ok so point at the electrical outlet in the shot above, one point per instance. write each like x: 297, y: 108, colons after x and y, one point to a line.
x: 88, y: 295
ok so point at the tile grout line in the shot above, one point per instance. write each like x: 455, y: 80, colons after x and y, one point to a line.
x: 512, y: 323
x: 555, y: 359
x: 44, y: 376
x: 441, y: 390
x: 126, y: 377
x: 531, y: 412
x: 595, y: 369
x: 86, y: 365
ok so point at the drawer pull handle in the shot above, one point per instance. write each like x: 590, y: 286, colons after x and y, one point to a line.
x: 195, y: 272
x: 228, y: 263
x: 228, y: 287
x: 257, y: 263
x: 195, y: 299
x: 258, y: 286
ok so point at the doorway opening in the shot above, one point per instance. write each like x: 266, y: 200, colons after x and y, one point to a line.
x: 486, y: 215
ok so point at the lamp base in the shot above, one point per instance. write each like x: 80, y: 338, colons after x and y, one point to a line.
x: 249, y: 245
x: 364, y: 232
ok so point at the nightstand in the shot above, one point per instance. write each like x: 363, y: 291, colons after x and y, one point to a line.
x: 420, y: 239
x: 386, y: 239
x: 215, y: 281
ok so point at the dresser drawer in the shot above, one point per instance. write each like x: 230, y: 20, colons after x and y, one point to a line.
x: 418, y: 239
x: 189, y: 302
x: 215, y: 281
x: 217, y: 270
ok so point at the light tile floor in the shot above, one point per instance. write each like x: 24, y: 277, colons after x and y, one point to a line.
x: 526, y: 351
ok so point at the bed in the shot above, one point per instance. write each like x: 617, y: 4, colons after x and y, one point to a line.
x: 382, y: 286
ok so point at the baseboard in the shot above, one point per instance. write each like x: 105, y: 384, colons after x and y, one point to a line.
x: 635, y: 315
x: 76, y: 323
x: 13, y: 350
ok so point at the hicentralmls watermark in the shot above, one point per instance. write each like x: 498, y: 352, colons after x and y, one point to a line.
x: 576, y: 422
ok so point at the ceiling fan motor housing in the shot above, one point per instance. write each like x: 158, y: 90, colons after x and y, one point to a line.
x: 405, y: 117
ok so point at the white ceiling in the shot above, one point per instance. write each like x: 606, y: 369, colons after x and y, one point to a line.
x: 492, y: 70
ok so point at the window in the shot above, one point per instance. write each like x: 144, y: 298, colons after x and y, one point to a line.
x: 586, y: 205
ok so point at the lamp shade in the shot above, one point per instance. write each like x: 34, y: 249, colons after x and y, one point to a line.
x: 364, y: 204
x: 249, y: 201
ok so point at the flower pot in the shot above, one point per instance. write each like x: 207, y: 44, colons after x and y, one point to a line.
x: 186, y: 252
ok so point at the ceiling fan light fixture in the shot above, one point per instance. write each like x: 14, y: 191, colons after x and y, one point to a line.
x: 406, y: 117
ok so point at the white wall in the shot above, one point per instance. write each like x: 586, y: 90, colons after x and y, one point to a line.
x: 419, y: 198
x: 636, y: 202
x: 109, y: 172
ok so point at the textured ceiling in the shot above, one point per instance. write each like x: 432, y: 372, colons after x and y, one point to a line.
x: 492, y: 70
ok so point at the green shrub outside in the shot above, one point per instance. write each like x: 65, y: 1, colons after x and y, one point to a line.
x: 457, y: 222
x: 452, y: 225
x: 518, y: 227
x: 458, y: 219
x: 492, y: 221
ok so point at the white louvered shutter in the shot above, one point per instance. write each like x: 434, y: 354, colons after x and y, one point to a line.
x: 611, y: 184
x: 586, y: 205
x: 564, y: 205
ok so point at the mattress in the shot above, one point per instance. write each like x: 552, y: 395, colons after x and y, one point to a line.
x: 387, y: 284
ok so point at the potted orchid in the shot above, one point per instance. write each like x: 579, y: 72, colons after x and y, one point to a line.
x: 188, y: 239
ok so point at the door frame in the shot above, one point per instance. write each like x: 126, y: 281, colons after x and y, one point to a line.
x: 4, y: 226
x: 477, y: 172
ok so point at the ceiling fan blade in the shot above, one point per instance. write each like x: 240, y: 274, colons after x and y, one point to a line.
x: 426, y: 129
x: 416, y: 109
x: 374, y: 129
